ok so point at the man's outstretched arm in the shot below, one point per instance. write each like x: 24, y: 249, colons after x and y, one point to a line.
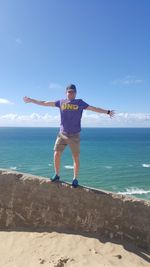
x: 39, y: 102
x: 111, y: 113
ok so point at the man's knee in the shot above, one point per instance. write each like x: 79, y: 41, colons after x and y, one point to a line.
x: 76, y: 156
x: 57, y: 153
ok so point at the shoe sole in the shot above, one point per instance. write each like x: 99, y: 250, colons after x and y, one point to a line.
x: 54, y: 181
x: 75, y: 186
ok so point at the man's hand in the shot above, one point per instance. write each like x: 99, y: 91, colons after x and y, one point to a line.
x: 39, y: 102
x: 27, y: 99
x: 111, y: 113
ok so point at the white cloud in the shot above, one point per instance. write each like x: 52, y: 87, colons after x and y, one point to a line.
x: 123, y: 119
x: 89, y: 119
x: 5, y: 101
x: 34, y: 119
x: 9, y: 117
x: 55, y: 86
x: 128, y: 80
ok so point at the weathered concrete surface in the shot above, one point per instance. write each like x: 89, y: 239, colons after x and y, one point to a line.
x: 28, y: 201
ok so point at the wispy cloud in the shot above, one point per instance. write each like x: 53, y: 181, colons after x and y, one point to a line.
x: 123, y: 119
x: 55, y: 86
x: 128, y: 80
x: 34, y: 119
x: 4, y: 101
x: 18, y: 41
x: 89, y: 120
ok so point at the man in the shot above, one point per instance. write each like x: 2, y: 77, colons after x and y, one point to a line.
x: 71, y: 112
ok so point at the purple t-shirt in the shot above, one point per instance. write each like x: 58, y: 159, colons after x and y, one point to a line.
x: 71, y: 114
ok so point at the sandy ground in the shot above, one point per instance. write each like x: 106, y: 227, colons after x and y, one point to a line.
x: 34, y: 249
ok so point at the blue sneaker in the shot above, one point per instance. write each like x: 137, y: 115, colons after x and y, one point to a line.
x: 75, y: 183
x: 55, y: 178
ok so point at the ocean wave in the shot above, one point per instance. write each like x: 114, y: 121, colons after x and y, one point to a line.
x: 108, y: 167
x: 13, y: 168
x: 146, y: 165
x: 68, y: 167
x: 134, y: 191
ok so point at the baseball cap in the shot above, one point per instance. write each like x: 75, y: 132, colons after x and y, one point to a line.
x: 71, y: 87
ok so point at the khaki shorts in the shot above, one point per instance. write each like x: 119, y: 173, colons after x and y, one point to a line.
x: 73, y: 140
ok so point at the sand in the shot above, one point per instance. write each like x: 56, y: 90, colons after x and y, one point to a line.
x: 53, y: 249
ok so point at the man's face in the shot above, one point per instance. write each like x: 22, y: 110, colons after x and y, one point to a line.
x: 71, y: 94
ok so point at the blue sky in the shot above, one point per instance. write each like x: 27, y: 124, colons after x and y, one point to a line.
x: 102, y: 46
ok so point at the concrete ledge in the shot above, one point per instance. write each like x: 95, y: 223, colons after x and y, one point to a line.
x: 28, y: 201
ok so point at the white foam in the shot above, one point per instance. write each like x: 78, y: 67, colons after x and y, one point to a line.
x: 108, y: 167
x: 49, y: 164
x: 68, y: 167
x: 146, y: 165
x: 134, y: 191
x: 13, y: 168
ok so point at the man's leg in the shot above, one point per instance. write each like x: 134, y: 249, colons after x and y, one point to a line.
x: 58, y: 149
x: 75, y: 148
x: 76, y: 164
x: 57, y: 155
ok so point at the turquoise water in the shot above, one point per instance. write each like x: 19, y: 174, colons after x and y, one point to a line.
x: 114, y: 159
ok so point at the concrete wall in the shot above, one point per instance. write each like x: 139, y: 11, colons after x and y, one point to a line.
x: 29, y: 202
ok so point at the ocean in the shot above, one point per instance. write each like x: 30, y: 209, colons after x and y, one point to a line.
x: 113, y: 159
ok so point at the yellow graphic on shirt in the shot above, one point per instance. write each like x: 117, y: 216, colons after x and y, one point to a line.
x: 69, y: 106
